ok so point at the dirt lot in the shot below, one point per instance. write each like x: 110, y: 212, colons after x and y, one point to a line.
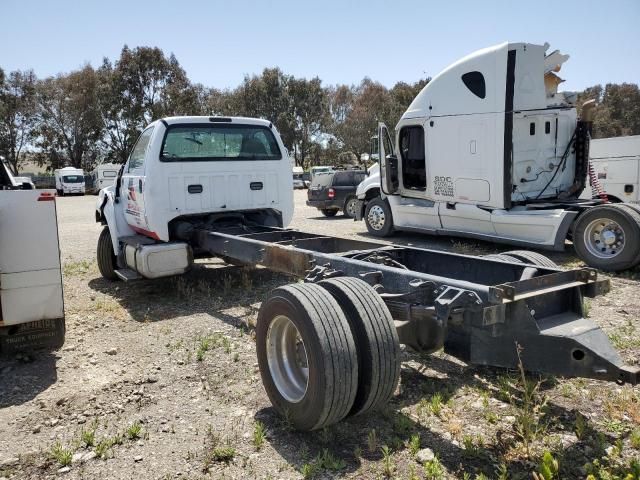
x: 159, y: 380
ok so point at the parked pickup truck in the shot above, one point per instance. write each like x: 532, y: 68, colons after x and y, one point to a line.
x: 335, y: 191
x: 31, y: 302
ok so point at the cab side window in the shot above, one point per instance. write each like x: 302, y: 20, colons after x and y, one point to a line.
x: 412, y: 152
x: 136, y: 159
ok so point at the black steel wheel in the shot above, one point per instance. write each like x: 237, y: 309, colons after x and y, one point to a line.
x: 107, y: 261
x: 376, y: 341
x: 307, y: 356
x: 378, y: 217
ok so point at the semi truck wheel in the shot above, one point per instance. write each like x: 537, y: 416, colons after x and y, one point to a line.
x: 350, y: 207
x: 106, y: 258
x: 534, y: 258
x: 376, y: 341
x: 606, y: 237
x: 307, y: 356
x: 378, y: 217
x: 329, y: 212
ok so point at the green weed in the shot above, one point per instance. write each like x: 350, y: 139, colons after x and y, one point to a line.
x: 61, y: 454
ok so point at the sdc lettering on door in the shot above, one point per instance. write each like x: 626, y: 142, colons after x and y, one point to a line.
x: 443, y: 186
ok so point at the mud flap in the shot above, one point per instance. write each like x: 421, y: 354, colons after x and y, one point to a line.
x: 28, y: 337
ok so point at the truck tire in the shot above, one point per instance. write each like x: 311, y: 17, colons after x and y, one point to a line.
x: 350, y: 206
x: 307, y: 356
x: 534, y: 258
x: 376, y: 341
x: 378, y: 218
x: 606, y: 237
x: 503, y: 257
x: 106, y: 258
x: 329, y: 212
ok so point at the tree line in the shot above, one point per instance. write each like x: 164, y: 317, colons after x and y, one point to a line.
x: 94, y: 115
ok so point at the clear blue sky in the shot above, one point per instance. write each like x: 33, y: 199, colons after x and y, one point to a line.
x: 218, y: 42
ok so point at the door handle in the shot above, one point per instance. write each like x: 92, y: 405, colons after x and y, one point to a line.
x: 255, y: 185
x: 196, y: 188
x: 140, y: 185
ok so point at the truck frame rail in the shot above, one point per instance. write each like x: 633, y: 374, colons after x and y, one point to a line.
x: 480, y: 310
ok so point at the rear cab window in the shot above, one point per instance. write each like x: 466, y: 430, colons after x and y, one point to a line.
x: 206, y: 142
x: 348, y: 179
x: 136, y: 159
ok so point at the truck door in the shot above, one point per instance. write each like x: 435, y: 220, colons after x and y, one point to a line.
x: 413, y: 208
x: 132, y: 187
x: 31, y: 300
x: 388, y: 162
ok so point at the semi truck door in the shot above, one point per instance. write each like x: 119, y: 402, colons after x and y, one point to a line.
x: 388, y: 162
x: 132, y: 187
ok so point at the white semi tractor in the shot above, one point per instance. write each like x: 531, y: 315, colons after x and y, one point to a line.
x: 490, y: 149
x: 31, y: 300
x: 69, y: 181
x: 330, y: 347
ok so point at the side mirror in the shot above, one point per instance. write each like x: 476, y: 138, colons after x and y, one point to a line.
x: 27, y: 186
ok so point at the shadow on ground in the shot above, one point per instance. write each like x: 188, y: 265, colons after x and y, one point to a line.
x: 21, y: 381
x: 207, y: 288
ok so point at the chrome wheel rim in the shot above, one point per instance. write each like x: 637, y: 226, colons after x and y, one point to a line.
x: 351, y: 207
x: 604, y: 238
x: 287, y: 359
x: 376, y: 217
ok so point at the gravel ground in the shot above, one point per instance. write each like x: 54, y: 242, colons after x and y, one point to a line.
x: 158, y: 379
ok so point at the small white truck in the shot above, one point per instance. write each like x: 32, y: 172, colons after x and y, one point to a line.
x: 329, y: 347
x: 69, y: 181
x: 186, y: 163
x: 490, y: 149
x: 616, y: 168
x: 31, y: 301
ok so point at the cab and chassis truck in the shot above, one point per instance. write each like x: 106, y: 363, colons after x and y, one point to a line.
x: 329, y: 347
x: 491, y: 150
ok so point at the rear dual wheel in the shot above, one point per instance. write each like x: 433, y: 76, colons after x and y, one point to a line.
x: 524, y: 256
x: 325, y: 351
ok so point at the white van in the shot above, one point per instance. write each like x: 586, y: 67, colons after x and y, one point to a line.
x: 69, y: 180
x: 103, y: 176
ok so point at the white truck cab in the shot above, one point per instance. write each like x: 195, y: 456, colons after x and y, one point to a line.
x: 190, y: 171
x: 69, y: 181
x: 490, y: 149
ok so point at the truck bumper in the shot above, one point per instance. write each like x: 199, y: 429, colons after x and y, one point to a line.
x: 45, y: 334
x: 322, y: 204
